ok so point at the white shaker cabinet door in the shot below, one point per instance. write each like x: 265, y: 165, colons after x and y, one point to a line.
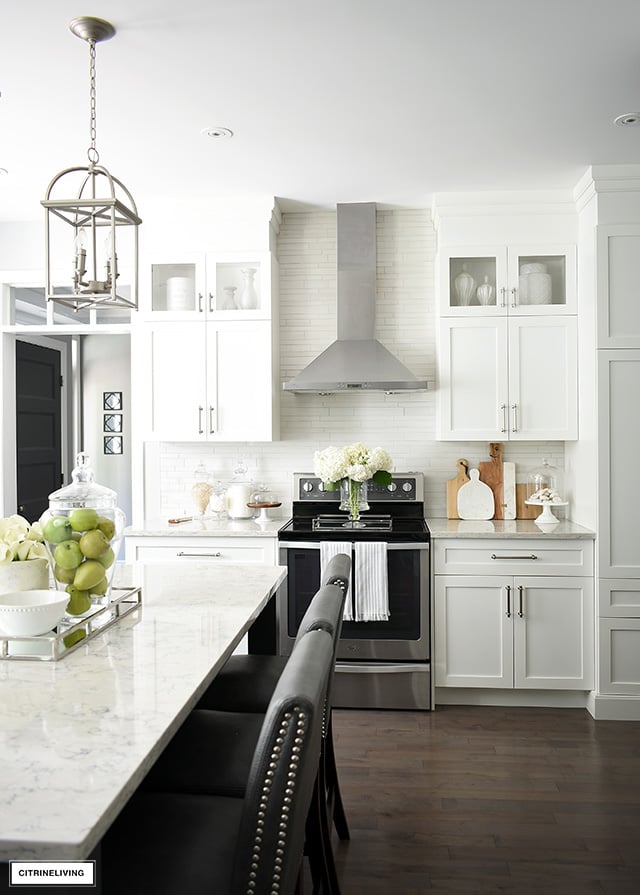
x: 472, y: 390
x: 543, y: 378
x: 175, y: 357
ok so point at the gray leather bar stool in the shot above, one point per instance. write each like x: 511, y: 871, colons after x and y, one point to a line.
x: 198, y: 844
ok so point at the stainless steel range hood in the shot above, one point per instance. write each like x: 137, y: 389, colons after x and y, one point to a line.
x: 356, y: 360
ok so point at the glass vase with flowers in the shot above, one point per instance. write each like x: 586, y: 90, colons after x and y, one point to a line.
x: 350, y: 468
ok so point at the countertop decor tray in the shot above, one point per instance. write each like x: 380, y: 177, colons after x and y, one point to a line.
x: 72, y: 632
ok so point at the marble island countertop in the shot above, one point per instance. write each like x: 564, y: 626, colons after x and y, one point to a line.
x: 219, y: 528
x: 498, y: 528
x: 78, y: 735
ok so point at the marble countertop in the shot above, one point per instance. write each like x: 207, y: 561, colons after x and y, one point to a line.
x: 78, y: 735
x: 219, y: 528
x: 495, y: 528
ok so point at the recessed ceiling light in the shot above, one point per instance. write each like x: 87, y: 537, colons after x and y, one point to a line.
x: 216, y: 132
x: 630, y: 119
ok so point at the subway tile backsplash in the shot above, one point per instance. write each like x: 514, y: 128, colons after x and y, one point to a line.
x: 405, y: 323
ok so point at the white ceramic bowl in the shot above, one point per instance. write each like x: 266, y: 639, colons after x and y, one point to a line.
x: 27, y: 613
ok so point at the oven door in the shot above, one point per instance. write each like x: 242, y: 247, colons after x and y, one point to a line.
x: 404, y: 637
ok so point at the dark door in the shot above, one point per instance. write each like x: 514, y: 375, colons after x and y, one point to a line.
x: 38, y: 427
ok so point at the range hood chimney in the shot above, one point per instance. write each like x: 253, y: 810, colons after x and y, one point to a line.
x: 356, y: 360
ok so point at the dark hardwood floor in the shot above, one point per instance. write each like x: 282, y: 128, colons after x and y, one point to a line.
x: 489, y: 800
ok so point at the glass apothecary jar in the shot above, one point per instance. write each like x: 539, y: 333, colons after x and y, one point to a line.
x: 545, y: 488
x: 82, y: 532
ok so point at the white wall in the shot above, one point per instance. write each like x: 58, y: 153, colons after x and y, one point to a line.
x: 405, y: 323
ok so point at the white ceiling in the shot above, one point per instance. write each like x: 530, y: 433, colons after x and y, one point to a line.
x: 330, y: 101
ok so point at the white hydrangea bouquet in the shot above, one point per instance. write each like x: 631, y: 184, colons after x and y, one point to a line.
x: 350, y: 468
x: 20, y: 540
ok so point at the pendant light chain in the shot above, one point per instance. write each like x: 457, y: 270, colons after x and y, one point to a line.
x: 92, y: 152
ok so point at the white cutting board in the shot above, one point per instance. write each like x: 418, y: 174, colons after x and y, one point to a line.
x: 475, y: 499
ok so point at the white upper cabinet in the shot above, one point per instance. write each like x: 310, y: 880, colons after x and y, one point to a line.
x: 507, y: 280
x: 618, y: 266
x: 225, y: 286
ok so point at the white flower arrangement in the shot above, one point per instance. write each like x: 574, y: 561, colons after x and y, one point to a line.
x: 355, y: 462
x: 546, y: 495
x: 20, y: 540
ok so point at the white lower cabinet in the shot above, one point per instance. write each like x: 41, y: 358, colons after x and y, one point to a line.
x: 619, y: 637
x: 509, y: 630
x: 190, y: 549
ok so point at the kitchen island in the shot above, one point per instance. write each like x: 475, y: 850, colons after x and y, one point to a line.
x: 77, y: 736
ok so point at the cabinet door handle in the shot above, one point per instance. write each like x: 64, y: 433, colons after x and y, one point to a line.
x: 503, y: 408
x: 200, y: 429
x: 503, y: 297
x: 207, y: 555
x: 514, y: 416
x: 514, y: 297
x: 508, y: 590
x: 526, y: 556
x: 211, y: 302
x: 520, y: 606
x: 212, y: 422
x: 200, y: 302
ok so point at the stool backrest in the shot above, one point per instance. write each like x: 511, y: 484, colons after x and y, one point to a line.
x: 283, y: 773
x: 337, y: 571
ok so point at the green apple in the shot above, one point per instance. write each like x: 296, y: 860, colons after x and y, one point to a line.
x: 72, y: 639
x: 56, y: 529
x: 68, y: 555
x: 79, y: 600
x: 106, y: 559
x: 100, y: 588
x: 107, y: 527
x: 88, y: 574
x: 94, y: 543
x: 66, y: 576
x: 83, y: 519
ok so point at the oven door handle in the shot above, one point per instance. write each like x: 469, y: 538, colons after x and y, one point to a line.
x: 380, y: 668
x: 315, y: 545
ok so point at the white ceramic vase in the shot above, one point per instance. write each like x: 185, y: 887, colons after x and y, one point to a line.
x: 30, y: 574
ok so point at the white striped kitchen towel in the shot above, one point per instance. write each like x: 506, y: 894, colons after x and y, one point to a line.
x: 372, y: 586
x: 328, y: 549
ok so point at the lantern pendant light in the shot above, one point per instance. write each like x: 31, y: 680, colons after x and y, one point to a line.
x: 102, y: 244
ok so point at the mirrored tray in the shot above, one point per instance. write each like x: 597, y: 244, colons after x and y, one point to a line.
x: 72, y: 631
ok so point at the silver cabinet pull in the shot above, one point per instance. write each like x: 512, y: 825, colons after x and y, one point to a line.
x: 207, y: 555
x: 526, y: 556
x: 503, y: 408
x: 211, y: 302
x: 508, y: 590
x: 503, y: 297
x: 212, y: 423
x: 200, y: 302
x: 200, y: 409
x: 514, y: 415
x: 520, y: 607
x: 514, y: 297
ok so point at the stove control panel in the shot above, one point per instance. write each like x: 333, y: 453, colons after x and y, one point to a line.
x: 404, y: 487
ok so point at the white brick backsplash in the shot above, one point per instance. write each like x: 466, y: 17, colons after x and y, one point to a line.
x: 405, y: 323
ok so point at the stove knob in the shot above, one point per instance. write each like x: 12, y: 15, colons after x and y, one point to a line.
x: 392, y: 486
x: 321, y: 486
x: 407, y: 486
x: 307, y: 486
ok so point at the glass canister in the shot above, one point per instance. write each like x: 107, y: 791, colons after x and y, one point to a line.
x: 82, y: 531
x: 546, y: 484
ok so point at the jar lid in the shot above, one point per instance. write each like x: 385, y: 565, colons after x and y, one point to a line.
x: 83, y: 490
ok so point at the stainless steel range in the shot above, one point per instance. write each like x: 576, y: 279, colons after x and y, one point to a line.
x: 381, y: 663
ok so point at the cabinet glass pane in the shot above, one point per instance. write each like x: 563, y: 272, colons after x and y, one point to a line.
x: 237, y: 286
x: 472, y: 281
x: 173, y: 287
x: 542, y: 280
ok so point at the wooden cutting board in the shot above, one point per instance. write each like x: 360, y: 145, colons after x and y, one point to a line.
x: 522, y: 510
x: 454, y: 485
x: 491, y: 473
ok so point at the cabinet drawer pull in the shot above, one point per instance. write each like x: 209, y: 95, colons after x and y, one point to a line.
x: 207, y: 555
x: 503, y: 297
x: 514, y: 295
x: 503, y: 408
x: 212, y: 420
x: 200, y: 429
x: 514, y: 412
x: 508, y: 612
x: 200, y: 302
x: 211, y: 302
x: 520, y: 606
x: 526, y: 556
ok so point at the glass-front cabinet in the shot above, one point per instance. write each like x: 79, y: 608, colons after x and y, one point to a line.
x: 507, y: 280
x: 222, y: 286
